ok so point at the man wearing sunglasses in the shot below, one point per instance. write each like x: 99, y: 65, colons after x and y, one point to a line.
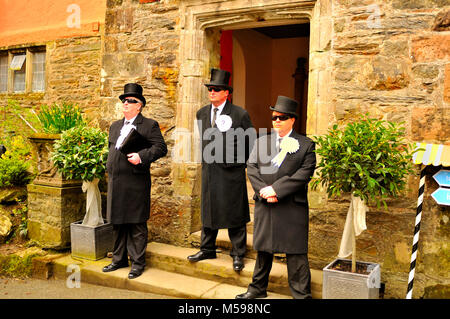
x: 280, y: 180
x: 224, y: 186
x: 128, y: 201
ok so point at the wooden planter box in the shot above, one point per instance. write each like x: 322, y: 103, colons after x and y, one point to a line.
x: 338, y: 284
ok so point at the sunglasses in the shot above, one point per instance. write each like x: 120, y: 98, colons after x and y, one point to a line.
x: 130, y: 101
x: 214, y: 88
x: 281, y: 117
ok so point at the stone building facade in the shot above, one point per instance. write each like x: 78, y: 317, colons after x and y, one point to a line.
x: 387, y: 58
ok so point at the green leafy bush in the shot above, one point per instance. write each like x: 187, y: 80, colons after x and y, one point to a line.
x: 58, y: 118
x: 368, y: 158
x: 81, y: 153
x: 15, y: 163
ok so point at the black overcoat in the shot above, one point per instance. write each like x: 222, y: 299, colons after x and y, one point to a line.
x: 129, y: 185
x: 224, y: 202
x: 281, y: 227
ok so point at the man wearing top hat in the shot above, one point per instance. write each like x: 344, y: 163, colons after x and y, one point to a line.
x: 280, y: 181
x: 224, y: 201
x: 128, y: 201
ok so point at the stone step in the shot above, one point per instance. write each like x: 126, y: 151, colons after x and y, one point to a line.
x: 152, y: 280
x: 174, y: 259
x: 223, y: 242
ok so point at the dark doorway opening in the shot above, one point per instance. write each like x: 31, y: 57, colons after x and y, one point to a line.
x: 266, y: 62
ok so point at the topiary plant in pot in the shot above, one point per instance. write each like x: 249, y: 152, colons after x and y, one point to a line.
x: 369, y: 160
x: 81, y: 153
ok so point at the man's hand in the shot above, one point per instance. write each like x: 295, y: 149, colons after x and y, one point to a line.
x: 134, y: 158
x: 272, y: 199
x: 267, y: 192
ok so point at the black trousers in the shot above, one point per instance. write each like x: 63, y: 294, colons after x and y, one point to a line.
x: 238, y: 238
x: 299, y: 274
x: 130, y: 239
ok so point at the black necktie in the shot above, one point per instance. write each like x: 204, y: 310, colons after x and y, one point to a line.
x: 127, y: 122
x: 279, y: 144
x: 213, y: 123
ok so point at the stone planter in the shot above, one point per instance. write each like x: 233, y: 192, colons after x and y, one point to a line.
x: 53, y: 202
x: 89, y: 242
x: 338, y: 284
x: 47, y: 173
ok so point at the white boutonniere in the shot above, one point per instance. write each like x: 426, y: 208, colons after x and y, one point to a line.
x: 224, y: 122
x: 288, y: 145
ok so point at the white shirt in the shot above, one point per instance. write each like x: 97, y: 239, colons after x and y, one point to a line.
x: 126, y: 128
x: 219, y: 110
x: 279, y: 138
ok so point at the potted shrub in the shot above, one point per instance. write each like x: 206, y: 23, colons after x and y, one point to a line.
x: 81, y: 153
x: 369, y: 160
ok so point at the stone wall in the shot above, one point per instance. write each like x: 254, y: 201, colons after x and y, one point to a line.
x: 390, y: 59
x: 387, y: 58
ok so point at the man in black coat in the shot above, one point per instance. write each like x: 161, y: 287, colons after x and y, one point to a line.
x: 129, y: 182
x: 280, y: 183
x: 226, y: 133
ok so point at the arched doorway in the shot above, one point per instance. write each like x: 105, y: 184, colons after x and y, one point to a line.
x: 266, y: 62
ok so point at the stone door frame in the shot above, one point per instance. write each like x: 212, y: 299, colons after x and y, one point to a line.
x: 199, y: 16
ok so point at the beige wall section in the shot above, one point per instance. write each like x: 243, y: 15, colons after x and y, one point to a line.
x: 262, y: 70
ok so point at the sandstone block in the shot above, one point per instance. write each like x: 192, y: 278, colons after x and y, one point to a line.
x: 430, y: 124
x: 5, y: 227
x: 385, y: 73
x: 427, y: 49
x: 12, y: 194
x: 442, y: 21
x: 447, y: 84
x: 418, y: 4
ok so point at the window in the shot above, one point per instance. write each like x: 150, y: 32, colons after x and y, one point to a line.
x: 38, y: 84
x: 22, y: 70
x: 18, y: 66
x: 3, y: 73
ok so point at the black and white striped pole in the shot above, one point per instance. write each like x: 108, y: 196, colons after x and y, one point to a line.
x: 416, y: 234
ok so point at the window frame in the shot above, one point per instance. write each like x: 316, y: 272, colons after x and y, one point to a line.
x: 5, y: 55
x: 29, y: 52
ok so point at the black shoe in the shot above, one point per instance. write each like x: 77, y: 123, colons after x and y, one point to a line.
x: 202, y: 255
x: 251, y: 295
x: 238, y: 263
x: 134, y: 273
x: 113, y: 266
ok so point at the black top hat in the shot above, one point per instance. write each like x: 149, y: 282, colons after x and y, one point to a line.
x: 220, y: 78
x: 134, y: 90
x: 285, y: 105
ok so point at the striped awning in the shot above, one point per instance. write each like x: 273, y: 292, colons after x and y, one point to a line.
x: 433, y: 154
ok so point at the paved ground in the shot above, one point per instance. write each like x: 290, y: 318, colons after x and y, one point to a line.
x: 11, y: 288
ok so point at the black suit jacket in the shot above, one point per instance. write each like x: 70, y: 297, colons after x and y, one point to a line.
x: 224, y: 186
x: 282, y: 227
x: 129, y: 185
